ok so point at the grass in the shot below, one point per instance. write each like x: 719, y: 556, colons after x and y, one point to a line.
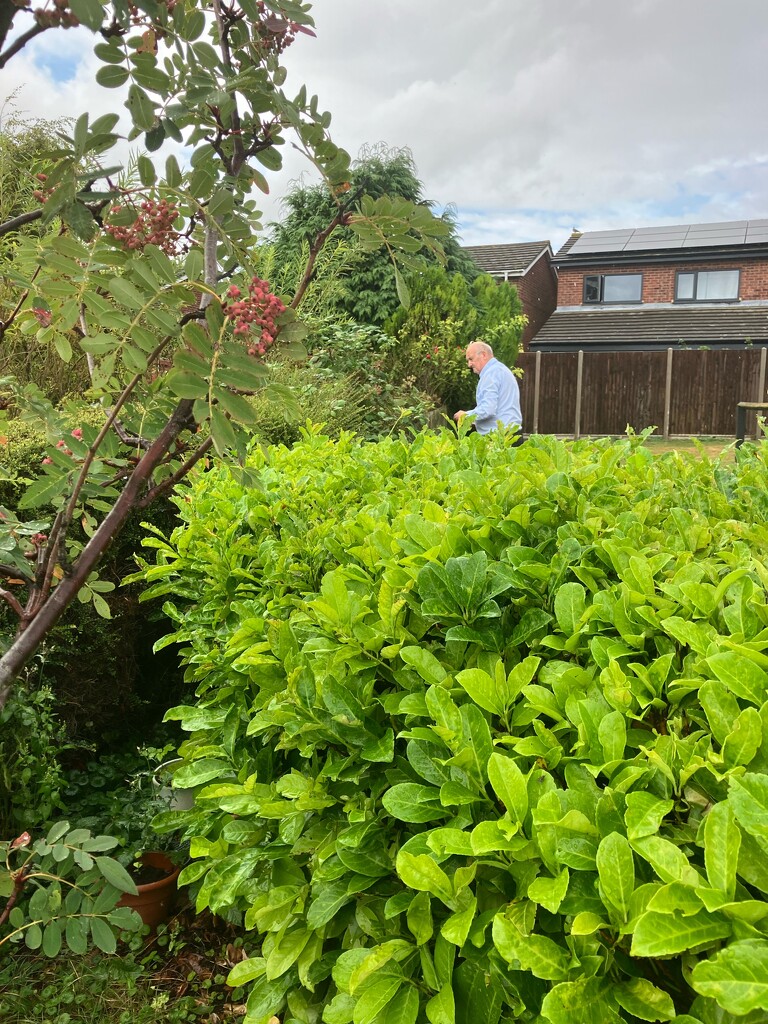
x: 710, y: 446
x: 178, y: 977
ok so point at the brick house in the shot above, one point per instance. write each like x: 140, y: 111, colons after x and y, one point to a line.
x: 695, y: 286
x: 526, y: 265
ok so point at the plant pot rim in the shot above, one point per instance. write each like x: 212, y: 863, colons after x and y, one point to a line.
x: 160, y: 860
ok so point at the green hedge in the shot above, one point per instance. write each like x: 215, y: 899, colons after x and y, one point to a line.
x: 480, y: 733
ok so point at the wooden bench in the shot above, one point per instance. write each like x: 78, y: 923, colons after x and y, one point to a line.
x: 742, y: 408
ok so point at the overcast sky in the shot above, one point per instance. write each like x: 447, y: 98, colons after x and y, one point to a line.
x: 530, y: 117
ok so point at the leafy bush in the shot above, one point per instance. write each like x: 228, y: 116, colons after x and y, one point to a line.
x: 445, y: 315
x: 32, y: 738
x: 63, y: 891
x: 482, y: 732
x: 85, y: 648
x: 117, y: 793
x: 347, y: 402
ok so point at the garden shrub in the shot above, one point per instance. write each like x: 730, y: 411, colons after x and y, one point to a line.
x: 348, y: 401
x: 446, y: 314
x: 481, y: 732
x: 32, y: 738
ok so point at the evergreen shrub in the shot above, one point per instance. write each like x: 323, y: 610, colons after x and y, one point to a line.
x: 480, y: 732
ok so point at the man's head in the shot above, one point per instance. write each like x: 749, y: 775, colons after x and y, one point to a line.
x: 478, y: 354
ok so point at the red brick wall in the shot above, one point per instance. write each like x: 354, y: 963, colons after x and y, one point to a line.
x: 538, y: 295
x: 659, y: 280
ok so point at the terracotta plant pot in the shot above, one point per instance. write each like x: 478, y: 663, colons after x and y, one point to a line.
x: 154, y: 900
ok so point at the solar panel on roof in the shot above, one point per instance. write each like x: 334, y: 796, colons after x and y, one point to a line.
x: 669, y: 242
x: 670, y: 236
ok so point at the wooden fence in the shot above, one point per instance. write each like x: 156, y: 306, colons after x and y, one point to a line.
x: 678, y: 391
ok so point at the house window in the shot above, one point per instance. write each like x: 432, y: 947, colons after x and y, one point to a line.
x: 613, y: 288
x: 707, y: 286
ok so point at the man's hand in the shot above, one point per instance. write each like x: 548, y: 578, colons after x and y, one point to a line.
x: 459, y: 415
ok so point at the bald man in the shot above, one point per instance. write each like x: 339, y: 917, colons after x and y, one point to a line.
x: 497, y: 401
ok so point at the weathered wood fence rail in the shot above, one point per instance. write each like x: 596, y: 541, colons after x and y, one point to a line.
x: 679, y: 391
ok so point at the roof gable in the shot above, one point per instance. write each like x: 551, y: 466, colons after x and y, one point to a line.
x: 511, y: 260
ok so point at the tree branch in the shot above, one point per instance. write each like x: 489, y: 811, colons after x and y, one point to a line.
x: 27, y: 642
x: 12, y: 601
x: 20, y: 221
x: 18, y: 44
x: 181, y: 472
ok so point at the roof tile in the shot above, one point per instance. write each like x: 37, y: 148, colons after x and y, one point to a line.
x: 653, y: 327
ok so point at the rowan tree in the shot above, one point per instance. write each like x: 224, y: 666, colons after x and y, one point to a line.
x: 151, y: 278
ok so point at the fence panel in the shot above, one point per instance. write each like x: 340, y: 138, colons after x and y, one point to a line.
x: 629, y: 388
x: 622, y: 388
x: 557, y: 392
x: 707, y: 384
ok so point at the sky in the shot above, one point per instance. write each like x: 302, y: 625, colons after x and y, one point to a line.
x: 530, y: 118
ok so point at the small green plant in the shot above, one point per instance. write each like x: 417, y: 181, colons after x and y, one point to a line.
x: 118, y: 793
x: 64, y: 890
x: 31, y: 741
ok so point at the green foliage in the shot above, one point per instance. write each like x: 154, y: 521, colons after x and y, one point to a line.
x: 148, y: 278
x: 370, y: 291
x: 32, y: 739
x: 118, y: 793
x: 316, y: 394
x: 85, y: 648
x: 479, y: 731
x: 22, y: 449
x: 176, y: 979
x: 445, y: 315
x: 63, y: 891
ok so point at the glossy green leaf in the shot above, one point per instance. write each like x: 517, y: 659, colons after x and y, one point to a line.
x: 666, y: 934
x: 616, y: 869
x: 722, y: 842
x: 510, y: 785
x: 409, y: 801
x: 736, y: 977
x: 535, y: 953
x: 421, y: 872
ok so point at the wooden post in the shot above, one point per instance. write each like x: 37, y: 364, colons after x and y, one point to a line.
x: 579, y: 376
x: 536, y: 392
x: 668, y: 393
x: 761, y: 392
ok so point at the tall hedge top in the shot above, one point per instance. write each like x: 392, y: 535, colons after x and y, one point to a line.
x: 481, y: 733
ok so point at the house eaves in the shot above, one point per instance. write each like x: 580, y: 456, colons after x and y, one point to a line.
x: 722, y: 326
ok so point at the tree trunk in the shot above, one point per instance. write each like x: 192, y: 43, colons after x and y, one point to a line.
x: 27, y: 642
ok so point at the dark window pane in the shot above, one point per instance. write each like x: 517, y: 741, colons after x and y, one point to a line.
x: 591, y: 289
x: 622, y: 287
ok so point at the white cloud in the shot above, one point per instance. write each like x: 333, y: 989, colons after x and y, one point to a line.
x: 529, y: 117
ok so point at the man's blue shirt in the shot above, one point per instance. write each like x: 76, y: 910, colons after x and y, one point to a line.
x: 497, y: 399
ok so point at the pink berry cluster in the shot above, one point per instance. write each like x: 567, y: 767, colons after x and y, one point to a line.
x: 42, y: 195
x: 43, y: 316
x: 153, y: 225
x: 276, y: 33
x: 256, y: 312
x: 57, y: 15
x: 62, y: 445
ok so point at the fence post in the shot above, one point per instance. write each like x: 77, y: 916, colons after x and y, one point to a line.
x: 579, y: 376
x: 761, y: 392
x: 668, y: 393
x: 536, y: 389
